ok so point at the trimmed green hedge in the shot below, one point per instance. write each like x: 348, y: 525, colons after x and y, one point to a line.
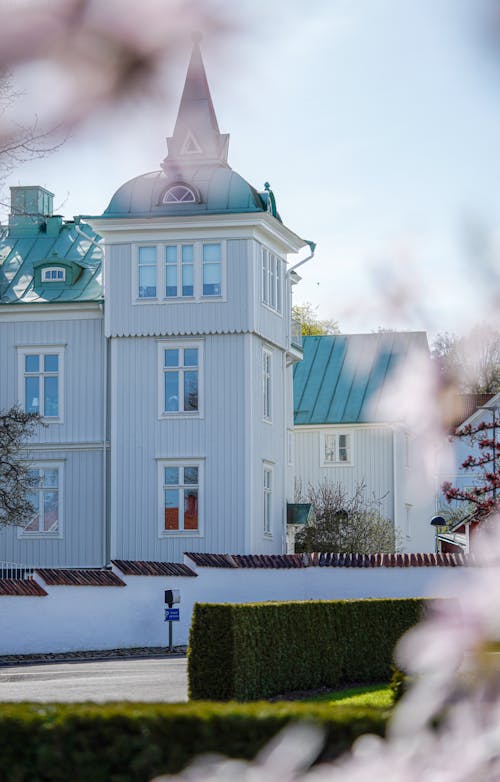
x: 258, y: 650
x: 135, y: 742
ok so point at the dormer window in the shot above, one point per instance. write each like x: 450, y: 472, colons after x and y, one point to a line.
x: 54, y: 274
x: 179, y: 194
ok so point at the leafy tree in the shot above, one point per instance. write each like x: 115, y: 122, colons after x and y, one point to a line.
x: 16, y: 480
x: 472, y: 363
x: 313, y: 326
x: 344, y: 523
x: 484, y: 497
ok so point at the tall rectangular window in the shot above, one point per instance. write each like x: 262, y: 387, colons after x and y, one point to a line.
x: 272, y: 280
x: 171, y: 271
x: 180, y: 370
x: 187, y: 256
x: 41, y: 381
x: 147, y: 272
x: 45, y: 498
x: 267, y: 359
x: 268, y: 497
x: 212, y: 269
x: 181, y: 487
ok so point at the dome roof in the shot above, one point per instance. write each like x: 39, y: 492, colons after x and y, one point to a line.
x: 215, y: 189
x: 195, y: 178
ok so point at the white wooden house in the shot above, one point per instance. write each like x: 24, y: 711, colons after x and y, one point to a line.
x: 468, y: 409
x: 344, y: 434
x: 166, y: 390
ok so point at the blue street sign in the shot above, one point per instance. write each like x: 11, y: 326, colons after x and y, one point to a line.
x: 172, y: 615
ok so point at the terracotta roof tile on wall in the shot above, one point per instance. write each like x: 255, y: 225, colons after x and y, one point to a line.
x: 79, y: 577
x: 140, y: 568
x: 275, y: 561
x: 16, y: 587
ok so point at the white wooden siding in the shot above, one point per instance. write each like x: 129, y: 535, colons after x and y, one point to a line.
x: 126, y: 318
x: 82, y: 543
x: 372, y: 463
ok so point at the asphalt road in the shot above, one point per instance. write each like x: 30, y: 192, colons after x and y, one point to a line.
x: 160, y: 680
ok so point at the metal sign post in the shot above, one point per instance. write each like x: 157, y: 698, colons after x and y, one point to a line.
x: 171, y: 614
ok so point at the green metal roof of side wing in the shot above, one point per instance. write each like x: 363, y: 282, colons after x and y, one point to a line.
x: 46, y: 259
x: 342, y: 379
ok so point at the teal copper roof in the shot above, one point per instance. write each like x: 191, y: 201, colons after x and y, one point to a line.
x: 30, y: 245
x: 219, y: 190
x: 342, y: 378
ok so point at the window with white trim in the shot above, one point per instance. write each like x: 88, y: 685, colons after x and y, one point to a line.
x: 177, y: 271
x: 180, y: 367
x: 146, y: 272
x: 179, y: 194
x: 46, y: 498
x: 40, y: 381
x: 267, y: 497
x: 54, y: 274
x: 180, y: 504
x: 267, y: 387
x: 272, y: 279
x: 212, y: 269
x: 335, y: 448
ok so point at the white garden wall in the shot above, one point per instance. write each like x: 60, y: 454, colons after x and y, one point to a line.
x: 72, y: 618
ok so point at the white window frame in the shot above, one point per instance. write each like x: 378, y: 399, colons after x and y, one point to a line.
x: 151, y: 265
x: 180, y: 463
x: 267, y: 385
x: 58, y: 269
x: 161, y: 272
x: 41, y: 351
x: 271, y: 276
x: 40, y: 534
x: 267, y: 498
x: 325, y: 442
x: 179, y: 345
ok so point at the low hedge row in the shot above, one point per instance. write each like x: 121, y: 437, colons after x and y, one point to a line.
x: 135, y: 742
x: 258, y: 650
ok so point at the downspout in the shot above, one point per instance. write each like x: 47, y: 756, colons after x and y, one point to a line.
x: 312, y: 247
x: 285, y: 454
x: 105, y: 515
x: 395, y: 497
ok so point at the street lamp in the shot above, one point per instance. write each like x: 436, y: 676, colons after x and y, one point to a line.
x: 436, y: 522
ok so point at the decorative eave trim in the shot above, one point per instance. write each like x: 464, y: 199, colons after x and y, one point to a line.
x: 84, y: 310
x: 114, y: 229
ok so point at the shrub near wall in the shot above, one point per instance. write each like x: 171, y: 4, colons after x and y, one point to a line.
x: 258, y: 650
x: 134, y: 742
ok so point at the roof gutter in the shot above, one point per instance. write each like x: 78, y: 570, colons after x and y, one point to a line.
x: 312, y: 247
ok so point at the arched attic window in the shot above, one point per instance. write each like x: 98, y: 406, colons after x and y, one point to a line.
x: 54, y: 274
x: 180, y: 194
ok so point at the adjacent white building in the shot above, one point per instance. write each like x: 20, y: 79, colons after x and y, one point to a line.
x: 349, y: 430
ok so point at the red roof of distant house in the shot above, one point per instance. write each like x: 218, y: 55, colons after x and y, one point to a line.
x: 465, y: 405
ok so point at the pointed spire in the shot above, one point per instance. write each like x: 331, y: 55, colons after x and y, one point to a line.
x: 196, y: 137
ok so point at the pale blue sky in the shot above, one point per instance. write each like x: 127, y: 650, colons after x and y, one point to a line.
x: 377, y: 123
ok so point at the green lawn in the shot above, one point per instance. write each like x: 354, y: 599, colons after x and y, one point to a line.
x: 378, y: 695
